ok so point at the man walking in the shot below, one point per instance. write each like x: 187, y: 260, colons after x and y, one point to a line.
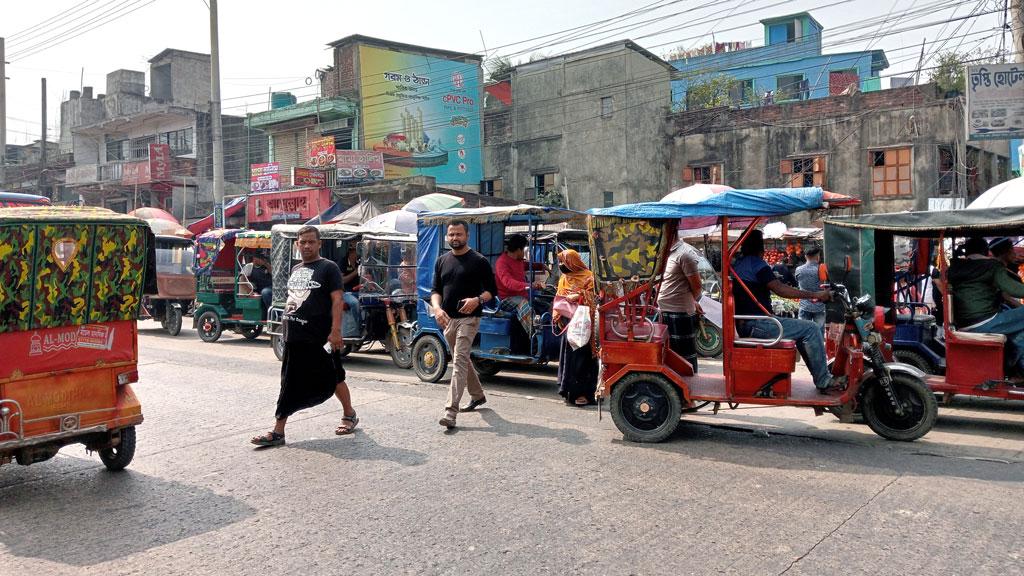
x: 808, y: 279
x: 680, y: 291
x: 463, y: 281
x: 309, y: 374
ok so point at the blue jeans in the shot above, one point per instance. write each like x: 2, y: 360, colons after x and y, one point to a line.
x: 816, y: 317
x: 809, y: 342
x: 1011, y: 324
x: 352, y: 321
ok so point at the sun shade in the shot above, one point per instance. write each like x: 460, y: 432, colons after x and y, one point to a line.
x: 734, y: 203
x: 983, y: 222
x: 510, y: 214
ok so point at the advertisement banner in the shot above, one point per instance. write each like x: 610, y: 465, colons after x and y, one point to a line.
x: 159, y: 162
x: 995, y: 101
x: 423, y: 114
x: 309, y: 177
x: 320, y: 152
x: 288, y: 205
x: 135, y: 173
x: 265, y: 177
x: 355, y: 166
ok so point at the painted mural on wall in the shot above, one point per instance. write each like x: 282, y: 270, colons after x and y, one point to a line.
x: 423, y: 114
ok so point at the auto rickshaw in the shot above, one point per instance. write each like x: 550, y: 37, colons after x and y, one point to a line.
x: 649, y: 384
x: 71, y: 280
x: 973, y: 362
x: 175, y: 283
x: 501, y: 340
x: 225, y: 297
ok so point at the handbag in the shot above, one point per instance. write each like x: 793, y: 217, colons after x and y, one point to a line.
x: 564, y: 307
x: 579, y: 329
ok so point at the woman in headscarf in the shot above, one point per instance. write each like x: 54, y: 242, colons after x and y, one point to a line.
x: 577, y: 369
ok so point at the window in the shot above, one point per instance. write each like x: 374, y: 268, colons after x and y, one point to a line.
x: 890, y: 172
x: 117, y: 150
x: 802, y: 172
x: 140, y: 147
x: 947, y: 171
x: 609, y: 198
x: 607, y: 107
x: 491, y: 187
x: 180, y: 141
x: 742, y: 92
x: 544, y: 182
x: 790, y: 87
x: 702, y: 174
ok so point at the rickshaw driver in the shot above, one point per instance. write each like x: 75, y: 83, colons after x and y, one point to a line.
x: 979, y: 283
x: 755, y: 273
x: 350, y: 277
x: 261, y: 280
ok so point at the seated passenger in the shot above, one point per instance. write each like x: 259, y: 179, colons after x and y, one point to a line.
x: 1002, y: 250
x: 510, y: 275
x: 978, y: 283
x: 759, y: 278
x: 262, y: 283
x: 352, y: 321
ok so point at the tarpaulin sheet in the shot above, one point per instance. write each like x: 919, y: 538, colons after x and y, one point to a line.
x: 984, y: 222
x: 763, y: 202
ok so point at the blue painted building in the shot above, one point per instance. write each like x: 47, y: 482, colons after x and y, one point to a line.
x: 790, y: 66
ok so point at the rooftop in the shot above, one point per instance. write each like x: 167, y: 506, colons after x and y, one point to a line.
x: 402, y: 47
x: 325, y: 108
x: 175, y: 52
x: 628, y: 44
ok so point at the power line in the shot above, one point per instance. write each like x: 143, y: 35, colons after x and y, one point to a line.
x: 100, y: 21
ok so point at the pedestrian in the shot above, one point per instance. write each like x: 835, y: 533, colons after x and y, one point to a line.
x: 577, y: 369
x: 463, y: 282
x: 808, y: 278
x: 678, y: 298
x: 309, y: 374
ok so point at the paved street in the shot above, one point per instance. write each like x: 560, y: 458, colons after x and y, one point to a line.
x: 525, y: 486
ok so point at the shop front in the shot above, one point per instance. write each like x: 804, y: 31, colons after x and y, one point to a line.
x: 294, y: 206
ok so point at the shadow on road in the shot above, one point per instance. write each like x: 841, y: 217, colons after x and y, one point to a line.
x: 97, y: 516
x: 361, y: 446
x: 502, y: 427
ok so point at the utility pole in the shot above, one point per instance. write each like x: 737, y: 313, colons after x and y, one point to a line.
x: 1017, y: 24
x: 42, y: 147
x: 215, y: 122
x: 3, y: 113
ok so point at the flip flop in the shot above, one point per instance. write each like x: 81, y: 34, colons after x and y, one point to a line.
x: 342, y: 429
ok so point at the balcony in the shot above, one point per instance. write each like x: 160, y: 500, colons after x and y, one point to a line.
x: 112, y: 171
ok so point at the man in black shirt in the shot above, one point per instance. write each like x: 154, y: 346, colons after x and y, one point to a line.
x: 463, y: 281
x: 312, y: 317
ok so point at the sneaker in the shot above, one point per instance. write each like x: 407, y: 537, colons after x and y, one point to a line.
x: 474, y: 404
x: 447, y: 421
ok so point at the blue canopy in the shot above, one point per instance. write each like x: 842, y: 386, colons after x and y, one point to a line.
x: 518, y: 214
x: 732, y: 203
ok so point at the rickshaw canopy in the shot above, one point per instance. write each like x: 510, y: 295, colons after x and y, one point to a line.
x: 62, y: 266
x: 733, y: 203
x: 215, y: 249
x: 258, y: 239
x: 518, y: 214
x: 932, y: 224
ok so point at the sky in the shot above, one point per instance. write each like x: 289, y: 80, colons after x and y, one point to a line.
x: 278, y: 45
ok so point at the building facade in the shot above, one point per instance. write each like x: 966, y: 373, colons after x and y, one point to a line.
x: 789, y: 66
x: 581, y: 130
x: 898, y: 149
x: 131, y: 149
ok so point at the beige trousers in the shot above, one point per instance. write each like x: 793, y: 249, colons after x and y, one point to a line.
x: 460, y: 334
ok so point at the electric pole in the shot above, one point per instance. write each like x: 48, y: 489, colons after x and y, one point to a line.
x: 1017, y: 25
x: 42, y: 148
x: 3, y: 113
x: 215, y: 122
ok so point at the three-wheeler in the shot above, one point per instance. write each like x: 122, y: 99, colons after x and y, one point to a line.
x: 175, y: 283
x: 225, y: 297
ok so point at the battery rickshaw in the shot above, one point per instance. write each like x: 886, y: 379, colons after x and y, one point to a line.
x: 225, y: 296
x: 502, y: 340
x: 974, y: 362
x: 649, y: 384
x: 71, y: 281
x: 175, y: 283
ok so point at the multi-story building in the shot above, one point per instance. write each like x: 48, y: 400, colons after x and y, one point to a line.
x: 25, y: 173
x: 132, y: 149
x: 790, y: 66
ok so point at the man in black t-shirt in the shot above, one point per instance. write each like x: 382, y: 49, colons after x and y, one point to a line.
x: 312, y: 317
x: 463, y: 281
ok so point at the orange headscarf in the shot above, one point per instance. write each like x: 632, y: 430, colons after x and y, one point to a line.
x: 578, y: 280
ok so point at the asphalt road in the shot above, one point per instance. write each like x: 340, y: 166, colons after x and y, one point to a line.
x: 525, y: 486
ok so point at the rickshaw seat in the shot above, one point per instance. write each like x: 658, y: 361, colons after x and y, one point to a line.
x: 978, y: 337
x: 783, y: 344
x: 222, y: 281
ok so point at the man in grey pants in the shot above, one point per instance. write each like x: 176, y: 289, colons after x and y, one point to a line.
x: 463, y: 281
x: 807, y: 278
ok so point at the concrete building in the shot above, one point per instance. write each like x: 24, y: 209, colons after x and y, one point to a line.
x: 25, y: 174
x: 131, y: 149
x: 898, y: 149
x: 789, y: 66
x: 584, y: 129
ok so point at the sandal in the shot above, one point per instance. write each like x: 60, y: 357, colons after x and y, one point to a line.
x: 348, y: 425
x: 582, y: 401
x: 268, y: 439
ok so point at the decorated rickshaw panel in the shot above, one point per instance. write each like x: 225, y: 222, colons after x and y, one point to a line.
x: 626, y: 249
x: 17, y: 245
x: 118, y: 272
x: 62, y: 275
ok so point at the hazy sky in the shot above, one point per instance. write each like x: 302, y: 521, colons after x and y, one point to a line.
x: 278, y: 45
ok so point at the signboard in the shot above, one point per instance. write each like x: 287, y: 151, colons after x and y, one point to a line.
x: 945, y: 204
x: 321, y: 152
x: 423, y: 114
x: 159, y: 162
x: 356, y: 166
x: 297, y: 205
x: 995, y: 101
x: 309, y: 177
x: 135, y: 173
x: 50, y: 349
x: 218, y: 215
x: 265, y: 177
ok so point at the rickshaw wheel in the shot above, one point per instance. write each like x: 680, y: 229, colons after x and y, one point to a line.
x: 253, y: 332
x: 402, y: 357
x: 172, y: 320
x: 708, y: 340
x: 920, y: 409
x: 645, y: 407
x: 209, y: 326
x: 429, y: 359
x: 914, y: 359
x: 277, y: 343
x: 486, y: 368
x: 118, y: 457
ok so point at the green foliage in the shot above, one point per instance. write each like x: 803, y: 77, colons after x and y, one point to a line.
x: 948, y: 73
x: 710, y: 93
x: 500, y: 69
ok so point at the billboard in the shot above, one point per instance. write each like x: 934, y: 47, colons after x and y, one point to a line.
x: 995, y: 101
x: 265, y: 177
x: 287, y: 205
x: 424, y: 114
x: 356, y: 166
x: 309, y: 177
x: 321, y: 152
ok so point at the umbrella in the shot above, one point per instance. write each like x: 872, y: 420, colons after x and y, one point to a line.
x: 150, y: 213
x: 433, y: 202
x: 1005, y: 195
x: 162, y: 227
x: 394, y: 221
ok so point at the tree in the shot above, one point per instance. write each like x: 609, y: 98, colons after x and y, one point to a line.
x: 500, y: 69
x: 948, y: 73
x: 710, y: 93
